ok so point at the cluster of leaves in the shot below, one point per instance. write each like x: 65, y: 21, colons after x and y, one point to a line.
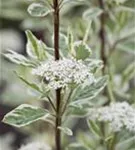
x: 37, y: 52
x: 120, y: 34
x: 119, y: 43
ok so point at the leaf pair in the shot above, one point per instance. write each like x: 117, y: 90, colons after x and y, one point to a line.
x: 37, y: 51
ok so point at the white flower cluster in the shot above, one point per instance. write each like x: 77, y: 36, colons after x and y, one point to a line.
x: 60, y: 73
x: 118, y: 115
x: 35, y: 146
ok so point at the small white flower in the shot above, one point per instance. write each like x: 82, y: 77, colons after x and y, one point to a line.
x: 63, y: 72
x: 118, y: 115
x: 35, y: 146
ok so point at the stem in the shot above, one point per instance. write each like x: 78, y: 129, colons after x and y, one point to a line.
x: 58, y: 91
x: 112, y: 144
x: 58, y: 121
x: 102, y: 34
x: 67, y: 102
x: 56, y: 29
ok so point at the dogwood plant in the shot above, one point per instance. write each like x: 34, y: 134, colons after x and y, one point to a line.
x: 63, y: 75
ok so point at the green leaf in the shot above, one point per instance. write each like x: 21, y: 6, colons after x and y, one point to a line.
x: 126, y: 144
x: 18, y: 58
x: 35, y: 47
x: 32, y: 45
x: 38, y: 10
x: 31, y: 85
x: 125, y: 8
x: 128, y: 73
x: 82, y: 95
x: 126, y: 33
x: 86, y: 35
x: 94, y: 64
x: 128, y: 47
x: 79, y: 111
x: 94, y: 128
x: 119, y: 1
x: 81, y: 50
x: 24, y: 115
x: 63, y: 41
x: 87, y: 139
x: 73, y: 1
x: 70, y: 40
x: 66, y: 130
x: 63, y: 44
x: 42, y: 50
x: 92, y: 13
x: 76, y: 146
x: 122, y: 94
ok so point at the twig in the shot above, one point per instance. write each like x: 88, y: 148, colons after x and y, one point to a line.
x: 67, y: 102
x: 51, y: 103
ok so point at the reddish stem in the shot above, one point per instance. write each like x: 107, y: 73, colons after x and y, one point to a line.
x: 58, y: 91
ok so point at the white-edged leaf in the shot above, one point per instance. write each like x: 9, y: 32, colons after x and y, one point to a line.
x: 38, y: 10
x: 127, y: 47
x: 79, y: 111
x: 83, y: 95
x: 126, y: 144
x: 87, y: 32
x: 31, y: 85
x: 18, y: 58
x: 66, y: 130
x: 76, y: 146
x: 94, y: 64
x: 81, y: 50
x: 63, y: 44
x: 119, y: 1
x: 63, y: 40
x: 24, y: 115
x: 32, y: 45
x: 42, y: 50
x: 35, y: 47
x: 129, y: 72
x: 70, y: 40
x: 72, y: 1
x: 125, y: 8
x: 92, y: 13
x: 94, y: 128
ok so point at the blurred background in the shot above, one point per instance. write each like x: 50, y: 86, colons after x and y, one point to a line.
x: 119, y: 47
